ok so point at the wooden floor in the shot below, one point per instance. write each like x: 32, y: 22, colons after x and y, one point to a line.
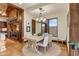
x: 15, y: 49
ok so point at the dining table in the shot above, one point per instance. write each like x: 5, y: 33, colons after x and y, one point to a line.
x: 32, y: 42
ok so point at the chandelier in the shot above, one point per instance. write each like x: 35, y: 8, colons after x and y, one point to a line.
x: 40, y: 17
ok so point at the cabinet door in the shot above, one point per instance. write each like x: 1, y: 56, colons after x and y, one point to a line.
x: 13, y: 13
x: 3, y: 25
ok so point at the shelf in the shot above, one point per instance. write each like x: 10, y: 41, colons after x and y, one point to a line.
x: 3, y: 31
x: 3, y: 19
x: 3, y: 15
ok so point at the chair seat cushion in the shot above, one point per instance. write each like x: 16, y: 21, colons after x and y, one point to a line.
x: 41, y: 41
x: 39, y: 44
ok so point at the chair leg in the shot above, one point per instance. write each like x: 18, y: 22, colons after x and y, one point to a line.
x: 29, y: 44
x: 50, y: 44
x: 37, y: 47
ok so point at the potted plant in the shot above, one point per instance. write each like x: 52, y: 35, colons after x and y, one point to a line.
x: 40, y: 34
x: 77, y: 45
x: 71, y: 44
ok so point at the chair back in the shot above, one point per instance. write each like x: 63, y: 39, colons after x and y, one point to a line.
x: 45, y: 42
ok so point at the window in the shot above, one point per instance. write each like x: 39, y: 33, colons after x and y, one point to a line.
x: 53, y: 26
x: 53, y: 22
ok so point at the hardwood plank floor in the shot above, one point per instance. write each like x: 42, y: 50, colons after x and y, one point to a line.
x: 14, y: 48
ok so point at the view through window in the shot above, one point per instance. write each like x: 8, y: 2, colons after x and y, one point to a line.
x: 53, y: 26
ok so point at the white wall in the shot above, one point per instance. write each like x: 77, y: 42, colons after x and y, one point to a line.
x: 38, y: 27
x: 27, y: 18
x: 68, y: 31
x: 62, y: 24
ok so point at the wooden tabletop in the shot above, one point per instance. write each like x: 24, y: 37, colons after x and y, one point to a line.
x: 34, y: 38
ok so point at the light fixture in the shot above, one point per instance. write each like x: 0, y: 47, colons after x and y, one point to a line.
x: 40, y: 17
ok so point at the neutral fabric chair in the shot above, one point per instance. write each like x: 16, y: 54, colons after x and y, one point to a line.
x: 50, y: 40
x: 43, y: 43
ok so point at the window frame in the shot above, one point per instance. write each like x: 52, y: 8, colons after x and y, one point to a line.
x: 56, y: 26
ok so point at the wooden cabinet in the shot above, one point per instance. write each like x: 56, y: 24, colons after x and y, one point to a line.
x: 74, y: 22
x: 74, y: 52
x: 15, y: 19
x: 3, y: 7
x: 13, y: 13
x: 3, y: 24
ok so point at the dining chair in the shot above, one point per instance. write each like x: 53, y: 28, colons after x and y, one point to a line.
x: 43, y: 43
x: 50, y: 40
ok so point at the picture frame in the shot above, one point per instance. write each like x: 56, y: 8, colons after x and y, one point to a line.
x: 27, y: 28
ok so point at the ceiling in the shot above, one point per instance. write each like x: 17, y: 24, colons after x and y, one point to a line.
x: 25, y: 5
x: 50, y: 8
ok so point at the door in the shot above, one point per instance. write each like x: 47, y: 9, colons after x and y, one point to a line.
x: 44, y: 27
x: 33, y: 27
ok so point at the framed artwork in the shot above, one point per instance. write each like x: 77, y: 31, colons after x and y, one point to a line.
x: 27, y: 28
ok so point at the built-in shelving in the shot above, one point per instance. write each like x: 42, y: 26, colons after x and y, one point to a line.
x: 14, y: 25
x: 3, y: 24
x: 11, y: 20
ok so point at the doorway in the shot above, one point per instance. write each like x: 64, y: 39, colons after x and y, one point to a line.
x: 33, y: 27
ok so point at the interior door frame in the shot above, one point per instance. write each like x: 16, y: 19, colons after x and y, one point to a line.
x: 45, y: 27
x: 33, y: 27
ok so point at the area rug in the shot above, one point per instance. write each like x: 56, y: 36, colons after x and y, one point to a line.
x: 54, y: 50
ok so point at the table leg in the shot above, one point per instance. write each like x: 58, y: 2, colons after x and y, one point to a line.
x: 35, y: 48
x: 29, y: 43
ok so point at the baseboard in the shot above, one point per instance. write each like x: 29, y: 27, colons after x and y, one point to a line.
x: 59, y: 41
